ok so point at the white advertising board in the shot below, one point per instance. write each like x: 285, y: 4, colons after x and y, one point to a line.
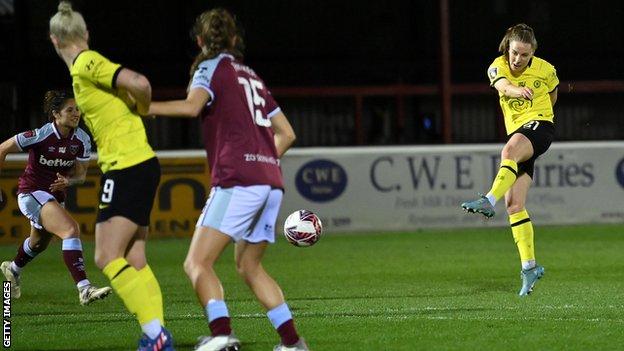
x: 406, y: 188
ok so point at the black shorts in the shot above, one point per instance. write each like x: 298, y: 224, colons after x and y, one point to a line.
x: 541, y: 134
x: 129, y: 192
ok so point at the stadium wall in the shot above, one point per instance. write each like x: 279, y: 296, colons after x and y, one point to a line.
x: 406, y: 188
x: 181, y: 196
x: 370, y: 188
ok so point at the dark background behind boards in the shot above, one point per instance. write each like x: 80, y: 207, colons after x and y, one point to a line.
x: 331, y: 43
x: 326, y: 43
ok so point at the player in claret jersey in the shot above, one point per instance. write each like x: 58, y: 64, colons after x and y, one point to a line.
x: 58, y: 157
x: 245, y: 133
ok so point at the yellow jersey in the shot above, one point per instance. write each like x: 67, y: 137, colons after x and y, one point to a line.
x: 540, y: 76
x: 118, y: 132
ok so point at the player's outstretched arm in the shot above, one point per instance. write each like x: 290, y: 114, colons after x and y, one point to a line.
x: 505, y: 87
x: 284, y: 133
x: 137, y: 86
x: 9, y: 145
x: 190, y: 107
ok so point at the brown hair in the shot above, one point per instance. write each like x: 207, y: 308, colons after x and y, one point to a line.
x: 54, y: 100
x: 68, y: 25
x: 520, y: 32
x: 220, y: 32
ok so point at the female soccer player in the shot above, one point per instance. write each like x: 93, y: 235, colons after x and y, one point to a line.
x: 58, y: 157
x: 112, y: 98
x: 527, y: 87
x: 245, y: 133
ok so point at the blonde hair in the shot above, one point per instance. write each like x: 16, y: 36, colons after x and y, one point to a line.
x: 68, y: 25
x: 520, y: 32
x: 220, y: 32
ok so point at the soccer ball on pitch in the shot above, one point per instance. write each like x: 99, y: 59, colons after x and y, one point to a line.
x: 303, y: 228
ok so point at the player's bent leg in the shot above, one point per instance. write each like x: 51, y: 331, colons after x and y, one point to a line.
x: 112, y: 238
x: 517, y: 149
x: 135, y: 252
x: 206, y: 247
x: 248, y: 263
x: 36, y: 243
x: 136, y: 257
x: 55, y: 219
x: 248, y: 257
x: 38, y: 240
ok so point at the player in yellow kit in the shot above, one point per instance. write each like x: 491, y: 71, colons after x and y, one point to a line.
x: 527, y: 88
x: 112, y: 98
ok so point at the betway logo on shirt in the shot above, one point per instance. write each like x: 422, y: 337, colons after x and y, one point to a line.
x: 56, y: 162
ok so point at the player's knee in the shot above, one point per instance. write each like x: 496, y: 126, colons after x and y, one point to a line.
x: 240, y: 269
x: 192, y: 266
x: 514, y: 208
x: 101, y: 259
x: 508, y: 152
x: 188, y: 267
x: 246, y: 269
x: 99, y: 262
x: 71, y: 230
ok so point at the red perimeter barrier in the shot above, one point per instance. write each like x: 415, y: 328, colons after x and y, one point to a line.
x: 402, y: 90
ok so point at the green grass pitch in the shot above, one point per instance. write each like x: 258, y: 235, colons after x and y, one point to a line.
x: 426, y: 290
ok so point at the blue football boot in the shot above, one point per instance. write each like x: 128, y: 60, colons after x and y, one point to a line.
x: 529, y: 278
x: 482, y: 205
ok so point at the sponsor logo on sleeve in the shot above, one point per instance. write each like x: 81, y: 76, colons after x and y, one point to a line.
x: 492, y: 72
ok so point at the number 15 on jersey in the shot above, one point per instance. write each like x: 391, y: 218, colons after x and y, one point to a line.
x: 254, y: 100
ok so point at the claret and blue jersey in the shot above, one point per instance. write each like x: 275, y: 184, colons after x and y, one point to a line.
x: 50, y: 153
x: 236, y: 124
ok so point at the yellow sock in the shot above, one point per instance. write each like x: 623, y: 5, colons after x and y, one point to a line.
x: 130, y: 288
x: 522, y: 231
x: 153, y: 289
x: 505, y: 178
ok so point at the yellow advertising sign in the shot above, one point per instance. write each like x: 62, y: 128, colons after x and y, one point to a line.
x: 179, y: 200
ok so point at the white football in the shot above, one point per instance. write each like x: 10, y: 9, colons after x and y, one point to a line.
x: 303, y: 228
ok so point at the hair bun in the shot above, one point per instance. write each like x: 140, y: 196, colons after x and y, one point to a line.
x: 65, y: 7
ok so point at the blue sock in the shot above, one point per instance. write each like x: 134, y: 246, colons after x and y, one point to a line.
x: 279, y: 315
x: 216, y: 309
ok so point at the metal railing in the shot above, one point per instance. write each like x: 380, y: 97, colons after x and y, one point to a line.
x: 410, y: 114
